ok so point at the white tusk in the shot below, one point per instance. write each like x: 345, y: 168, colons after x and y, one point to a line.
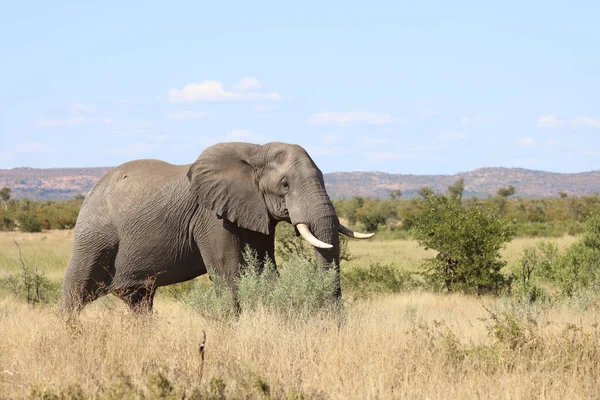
x: 352, y: 234
x: 310, y: 238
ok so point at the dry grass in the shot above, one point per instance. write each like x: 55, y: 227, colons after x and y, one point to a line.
x: 407, y: 346
x: 412, y: 345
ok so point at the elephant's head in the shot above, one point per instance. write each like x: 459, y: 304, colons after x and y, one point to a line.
x: 256, y: 186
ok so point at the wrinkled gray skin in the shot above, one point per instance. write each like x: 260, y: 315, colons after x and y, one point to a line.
x: 148, y: 223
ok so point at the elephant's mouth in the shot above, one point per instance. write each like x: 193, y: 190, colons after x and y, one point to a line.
x: 310, y: 238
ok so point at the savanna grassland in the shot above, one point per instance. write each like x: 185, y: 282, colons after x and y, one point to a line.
x: 412, y: 344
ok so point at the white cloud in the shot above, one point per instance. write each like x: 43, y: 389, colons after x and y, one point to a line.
x: 592, y: 153
x: 466, y: 120
x: 215, y: 91
x: 349, y: 118
x: 525, y: 141
x: 32, y: 147
x: 449, y: 136
x: 591, y: 122
x: 243, y: 135
x: 549, y: 121
x: 181, y: 115
x: 551, y: 142
x: 134, y: 148
x: 51, y: 123
x: 248, y: 84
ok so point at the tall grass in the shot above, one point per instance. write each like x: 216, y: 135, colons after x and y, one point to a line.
x: 414, y: 345
x: 401, y: 345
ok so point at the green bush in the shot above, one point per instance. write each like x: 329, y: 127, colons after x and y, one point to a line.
x: 257, y: 281
x: 299, y: 288
x: 468, y: 240
x: 304, y: 288
x: 214, y: 301
x: 30, y: 223
x: 6, y: 223
x: 539, y: 260
x: 579, y: 267
x: 31, y: 286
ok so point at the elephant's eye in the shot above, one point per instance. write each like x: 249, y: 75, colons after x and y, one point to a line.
x: 285, y: 184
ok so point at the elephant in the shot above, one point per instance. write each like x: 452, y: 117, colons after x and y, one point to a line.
x: 148, y: 223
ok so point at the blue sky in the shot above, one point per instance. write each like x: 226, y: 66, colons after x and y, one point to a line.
x: 401, y: 87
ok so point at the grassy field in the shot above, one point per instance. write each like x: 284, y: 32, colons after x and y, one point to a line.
x: 409, y: 345
x: 408, y: 254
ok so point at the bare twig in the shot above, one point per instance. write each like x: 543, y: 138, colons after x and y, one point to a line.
x: 25, y: 278
x: 201, y: 351
x: 493, y: 315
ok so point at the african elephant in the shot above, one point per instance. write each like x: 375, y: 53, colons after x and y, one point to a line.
x: 148, y: 223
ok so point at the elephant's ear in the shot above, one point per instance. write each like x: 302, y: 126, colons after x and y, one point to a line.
x: 226, y: 183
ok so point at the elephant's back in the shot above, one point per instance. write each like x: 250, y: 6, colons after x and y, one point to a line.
x: 138, y: 185
x: 138, y: 175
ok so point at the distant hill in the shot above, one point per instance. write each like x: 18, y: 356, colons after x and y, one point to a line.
x: 480, y: 182
x: 65, y: 183
x: 50, y: 183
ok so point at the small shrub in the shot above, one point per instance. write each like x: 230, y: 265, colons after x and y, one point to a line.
x: 159, y: 386
x: 30, y: 223
x: 300, y: 287
x: 304, y: 288
x: 579, y: 267
x: 6, y: 223
x: 530, y: 293
x: 32, y: 287
x: 215, y: 301
x: 72, y: 392
x: 216, y: 389
x: 514, y: 328
x: 121, y: 388
x: 539, y: 260
x: 257, y: 281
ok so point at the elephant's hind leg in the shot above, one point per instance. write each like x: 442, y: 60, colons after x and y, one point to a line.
x: 89, y: 273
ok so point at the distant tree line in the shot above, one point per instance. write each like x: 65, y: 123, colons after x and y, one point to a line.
x: 395, y: 217
x: 34, y: 216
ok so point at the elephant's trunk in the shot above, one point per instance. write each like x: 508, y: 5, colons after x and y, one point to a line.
x: 326, y: 230
x: 318, y: 214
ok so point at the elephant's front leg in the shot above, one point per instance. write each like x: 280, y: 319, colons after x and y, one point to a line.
x: 221, y: 244
x: 264, y: 245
